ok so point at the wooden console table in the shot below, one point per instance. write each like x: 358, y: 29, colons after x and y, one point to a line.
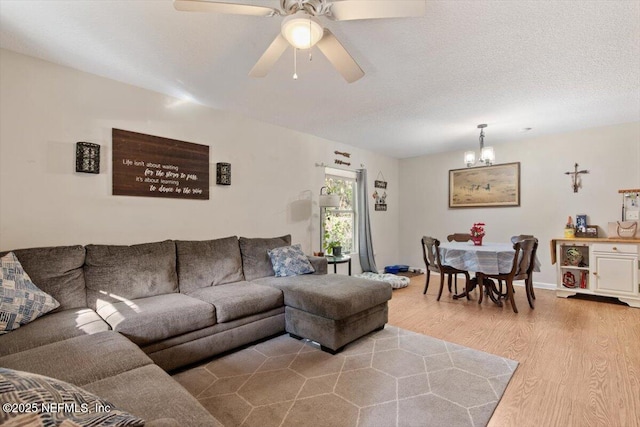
x: 592, y: 266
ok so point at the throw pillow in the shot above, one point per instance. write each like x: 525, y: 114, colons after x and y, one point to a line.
x: 20, y: 299
x: 290, y: 261
x: 44, y: 401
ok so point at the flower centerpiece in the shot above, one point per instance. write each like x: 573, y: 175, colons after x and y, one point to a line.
x: 477, y: 233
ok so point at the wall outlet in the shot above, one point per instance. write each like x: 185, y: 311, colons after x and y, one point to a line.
x: 632, y: 215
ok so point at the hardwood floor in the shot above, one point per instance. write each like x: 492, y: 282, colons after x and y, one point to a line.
x: 579, y: 359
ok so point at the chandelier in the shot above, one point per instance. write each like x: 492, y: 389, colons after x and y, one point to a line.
x: 487, y: 155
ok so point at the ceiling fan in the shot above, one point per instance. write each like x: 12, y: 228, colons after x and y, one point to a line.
x: 302, y: 29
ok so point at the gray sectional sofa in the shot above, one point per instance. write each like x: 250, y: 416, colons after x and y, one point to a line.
x: 128, y: 314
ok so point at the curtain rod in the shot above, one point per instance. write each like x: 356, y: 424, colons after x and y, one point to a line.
x: 324, y: 165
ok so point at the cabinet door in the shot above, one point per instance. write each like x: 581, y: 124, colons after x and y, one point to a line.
x: 616, y: 275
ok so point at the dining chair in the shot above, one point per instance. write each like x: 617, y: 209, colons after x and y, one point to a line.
x: 431, y: 255
x: 529, y: 281
x: 459, y: 237
x: 529, y: 285
x: 522, y: 259
x: 514, y: 240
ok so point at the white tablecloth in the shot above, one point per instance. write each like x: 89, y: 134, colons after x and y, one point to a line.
x: 490, y: 258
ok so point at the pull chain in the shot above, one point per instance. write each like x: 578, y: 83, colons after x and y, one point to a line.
x: 310, y: 56
x: 295, y: 64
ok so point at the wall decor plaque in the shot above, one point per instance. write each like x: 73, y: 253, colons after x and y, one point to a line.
x: 380, y: 182
x: 87, y: 157
x: 223, y: 173
x: 152, y: 166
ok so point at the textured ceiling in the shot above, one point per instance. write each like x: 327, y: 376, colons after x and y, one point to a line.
x: 554, y: 66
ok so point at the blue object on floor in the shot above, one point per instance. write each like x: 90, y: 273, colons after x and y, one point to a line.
x: 393, y: 269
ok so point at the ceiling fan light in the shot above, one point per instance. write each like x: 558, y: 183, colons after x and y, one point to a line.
x: 302, y: 30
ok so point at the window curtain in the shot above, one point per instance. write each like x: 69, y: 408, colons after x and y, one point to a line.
x: 365, y: 244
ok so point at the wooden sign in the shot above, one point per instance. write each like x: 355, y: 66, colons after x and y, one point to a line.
x: 151, y: 166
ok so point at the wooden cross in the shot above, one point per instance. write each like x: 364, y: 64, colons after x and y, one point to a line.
x: 576, y: 182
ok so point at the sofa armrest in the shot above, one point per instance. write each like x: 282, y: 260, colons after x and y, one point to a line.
x: 319, y: 264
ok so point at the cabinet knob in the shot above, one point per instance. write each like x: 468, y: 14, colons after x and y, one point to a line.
x: 615, y: 248
x: 595, y: 273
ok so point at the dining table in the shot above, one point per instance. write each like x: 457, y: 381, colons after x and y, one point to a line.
x: 488, y: 258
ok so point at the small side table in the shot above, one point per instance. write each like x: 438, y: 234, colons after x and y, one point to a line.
x: 335, y: 260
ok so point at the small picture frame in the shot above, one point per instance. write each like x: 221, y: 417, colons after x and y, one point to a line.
x: 590, y: 231
x: 581, y: 223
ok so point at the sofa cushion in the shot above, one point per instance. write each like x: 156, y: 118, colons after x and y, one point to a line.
x: 208, y: 263
x: 80, y: 360
x: 148, y: 320
x: 235, y: 300
x: 289, y: 261
x: 152, y: 394
x: 57, y: 271
x: 255, y: 260
x: 333, y: 296
x: 116, y: 273
x: 78, y: 406
x: 21, y: 301
x: 53, y: 327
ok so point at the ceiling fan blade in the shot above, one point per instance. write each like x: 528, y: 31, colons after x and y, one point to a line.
x: 219, y: 7
x: 269, y: 57
x: 331, y: 47
x: 348, y: 10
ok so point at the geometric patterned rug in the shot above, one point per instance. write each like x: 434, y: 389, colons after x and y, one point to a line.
x: 392, y: 377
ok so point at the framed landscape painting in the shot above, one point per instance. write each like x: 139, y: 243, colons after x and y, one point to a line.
x: 497, y: 185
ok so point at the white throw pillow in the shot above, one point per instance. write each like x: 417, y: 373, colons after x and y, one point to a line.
x: 20, y: 299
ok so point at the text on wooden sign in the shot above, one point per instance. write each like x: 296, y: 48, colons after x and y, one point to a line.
x: 151, y: 166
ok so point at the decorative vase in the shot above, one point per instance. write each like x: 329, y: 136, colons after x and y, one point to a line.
x: 477, y: 240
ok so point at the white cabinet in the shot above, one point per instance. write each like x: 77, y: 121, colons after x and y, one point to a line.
x: 615, y: 269
x: 604, y: 267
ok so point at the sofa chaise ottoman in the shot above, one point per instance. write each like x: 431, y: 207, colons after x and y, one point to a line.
x: 332, y: 310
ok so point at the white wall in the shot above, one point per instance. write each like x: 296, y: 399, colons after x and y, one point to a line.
x: 46, y: 108
x: 611, y: 154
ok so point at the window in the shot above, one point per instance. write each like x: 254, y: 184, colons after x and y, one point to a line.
x: 339, y: 224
